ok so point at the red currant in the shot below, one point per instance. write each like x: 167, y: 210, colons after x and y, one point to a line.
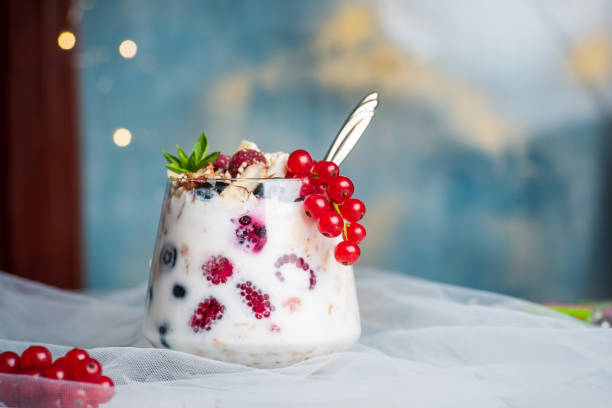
x: 9, y: 362
x: 315, y: 205
x: 75, y: 397
x: 54, y: 373
x: 73, y: 358
x: 87, y: 370
x: 300, y: 162
x: 320, y: 187
x: 347, y: 253
x: 330, y: 224
x: 60, y: 362
x: 308, y: 186
x: 355, y: 233
x: 104, y: 390
x: 325, y: 169
x: 352, y: 210
x: 340, y: 189
x: 35, y: 357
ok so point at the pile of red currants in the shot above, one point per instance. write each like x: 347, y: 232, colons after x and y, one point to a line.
x: 328, y: 200
x: 69, y: 372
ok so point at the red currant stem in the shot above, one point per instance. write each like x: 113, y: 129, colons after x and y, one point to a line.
x: 343, y: 222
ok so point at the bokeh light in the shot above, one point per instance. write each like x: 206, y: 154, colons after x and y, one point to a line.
x: 122, y: 137
x: 66, y: 40
x: 128, y: 49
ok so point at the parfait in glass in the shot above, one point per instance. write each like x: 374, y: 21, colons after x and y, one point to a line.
x: 241, y: 274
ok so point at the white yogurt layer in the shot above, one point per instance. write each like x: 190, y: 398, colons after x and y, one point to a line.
x: 305, y: 319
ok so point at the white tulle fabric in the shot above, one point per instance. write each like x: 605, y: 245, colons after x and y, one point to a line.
x: 423, y: 345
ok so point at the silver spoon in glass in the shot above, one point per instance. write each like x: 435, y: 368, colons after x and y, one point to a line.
x: 352, y: 129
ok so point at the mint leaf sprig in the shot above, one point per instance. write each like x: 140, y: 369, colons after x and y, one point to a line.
x: 194, y: 162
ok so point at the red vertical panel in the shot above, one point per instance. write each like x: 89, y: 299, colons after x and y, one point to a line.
x: 43, y: 188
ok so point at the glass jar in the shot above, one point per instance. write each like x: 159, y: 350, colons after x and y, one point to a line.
x: 240, y: 274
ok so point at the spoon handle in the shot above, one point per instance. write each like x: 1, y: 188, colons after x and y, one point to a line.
x: 352, y: 129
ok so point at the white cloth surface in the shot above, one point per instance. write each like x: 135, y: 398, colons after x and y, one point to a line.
x: 424, y: 344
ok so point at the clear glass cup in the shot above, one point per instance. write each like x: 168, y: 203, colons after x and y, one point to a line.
x: 247, y: 278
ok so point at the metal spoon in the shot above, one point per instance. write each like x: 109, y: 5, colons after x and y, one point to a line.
x: 352, y: 129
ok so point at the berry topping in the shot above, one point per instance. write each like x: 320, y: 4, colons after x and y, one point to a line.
x: 347, y: 253
x: 325, y: 170
x: 300, y: 264
x: 87, y: 370
x: 167, y: 256
x: 316, y: 205
x: 222, y: 162
x: 205, y: 315
x: 243, y: 159
x: 35, y: 357
x: 259, y: 190
x: 9, y: 362
x: 204, y: 191
x: 330, y: 224
x: 355, y: 233
x: 251, y: 234
x: 179, y: 291
x: 300, y: 162
x: 352, y: 210
x: 340, y: 189
x: 218, y: 269
x: 255, y: 299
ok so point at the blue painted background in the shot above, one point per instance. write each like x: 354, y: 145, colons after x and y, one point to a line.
x: 481, y: 167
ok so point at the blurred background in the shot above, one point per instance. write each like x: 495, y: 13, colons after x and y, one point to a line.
x: 488, y: 164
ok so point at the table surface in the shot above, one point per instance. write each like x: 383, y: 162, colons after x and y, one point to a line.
x: 423, y: 344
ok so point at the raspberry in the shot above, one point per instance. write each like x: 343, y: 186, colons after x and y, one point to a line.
x: 222, y: 162
x: 255, y: 299
x: 207, y: 312
x: 300, y: 263
x: 352, y: 210
x: 9, y: 362
x: 251, y: 234
x: 35, y: 357
x: 243, y: 159
x: 218, y: 269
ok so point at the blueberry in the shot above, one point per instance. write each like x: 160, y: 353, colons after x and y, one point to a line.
x: 245, y: 220
x: 179, y: 291
x: 259, y: 190
x: 163, y: 330
x: 204, y: 191
x: 220, y: 186
x: 167, y: 256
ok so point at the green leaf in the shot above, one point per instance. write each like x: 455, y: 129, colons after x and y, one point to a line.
x: 211, y: 157
x: 176, y: 168
x: 171, y: 158
x: 201, y: 147
x: 183, y: 156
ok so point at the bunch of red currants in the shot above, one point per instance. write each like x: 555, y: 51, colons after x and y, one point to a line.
x: 68, y: 373
x: 328, y: 200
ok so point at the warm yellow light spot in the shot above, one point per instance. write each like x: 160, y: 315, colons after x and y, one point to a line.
x: 66, y: 40
x: 128, y: 49
x: 122, y: 137
x: 592, y: 59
